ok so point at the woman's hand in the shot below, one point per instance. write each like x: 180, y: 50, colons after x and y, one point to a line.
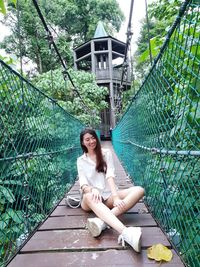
x: 117, y: 202
x: 95, y: 195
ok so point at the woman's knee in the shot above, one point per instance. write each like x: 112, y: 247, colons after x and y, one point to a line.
x: 140, y: 190
x: 87, y: 197
x: 86, y: 200
x: 137, y: 190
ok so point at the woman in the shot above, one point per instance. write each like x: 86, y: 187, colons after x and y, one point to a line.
x: 100, y: 194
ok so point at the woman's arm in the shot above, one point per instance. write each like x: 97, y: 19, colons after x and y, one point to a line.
x: 112, y: 186
x: 95, y: 193
x: 83, y: 181
x: 110, y: 174
x: 117, y: 202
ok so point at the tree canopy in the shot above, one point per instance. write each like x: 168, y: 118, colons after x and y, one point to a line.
x: 84, y: 102
x: 161, y: 15
x: 70, y: 21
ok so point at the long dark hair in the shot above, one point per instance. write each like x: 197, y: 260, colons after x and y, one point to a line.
x: 101, y: 165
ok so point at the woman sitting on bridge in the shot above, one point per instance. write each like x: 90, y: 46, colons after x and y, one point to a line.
x: 100, y: 194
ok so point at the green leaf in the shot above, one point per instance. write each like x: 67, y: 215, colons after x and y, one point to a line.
x: 7, y: 193
x: 13, y: 182
x: 144, y: 56
x: 15, y: 215
x: 12, y: 2
x: 2, y: 7
x: 2, y: 225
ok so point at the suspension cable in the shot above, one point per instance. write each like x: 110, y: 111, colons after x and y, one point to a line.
x: 169, y: 34
x: 148, y: 32
x: 19, y: 37
x: 155, y: 150
x: 51, y: 41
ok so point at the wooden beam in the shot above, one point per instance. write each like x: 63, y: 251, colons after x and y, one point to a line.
x: 83, y: 57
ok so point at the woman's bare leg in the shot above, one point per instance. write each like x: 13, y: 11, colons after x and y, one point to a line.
x: 103, y: 212
x: 132, y: 235
x: 130, y: 197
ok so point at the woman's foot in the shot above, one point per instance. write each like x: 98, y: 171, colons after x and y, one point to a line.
x: 95, y: 226
x: 132, y: 235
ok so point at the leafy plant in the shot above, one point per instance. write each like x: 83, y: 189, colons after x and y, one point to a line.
x: 86, y: 96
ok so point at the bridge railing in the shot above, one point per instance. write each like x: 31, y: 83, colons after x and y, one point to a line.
x: 38, y: 151
x: 157, y: 138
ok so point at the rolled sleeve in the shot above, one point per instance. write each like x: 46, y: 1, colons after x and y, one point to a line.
x: 82, y: 178
x: 110, y: 165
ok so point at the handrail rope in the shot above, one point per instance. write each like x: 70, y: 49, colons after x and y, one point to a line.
x: 51, y: 41
x: 128, y: 40
x: 167, y: 39
x: 155, y: 150
x: 37, y: 89
x: 32, y: 154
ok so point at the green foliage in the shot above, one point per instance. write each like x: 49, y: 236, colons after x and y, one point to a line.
x: 38, y: 152
x: 3, y: 3
x: 33, y: 43
x: 155, y: 44
x: 10, y: 60
x: 92, y: 99
x: 141, y: 59
x: 161, y: 16
x: 69, y: 23
x: 37, y: 158
x: 164, y: 10
x: 174, y: 200
x: 164, y: 114
x: 10, y: 219
x: 79, y: 18
x: 2, y: 7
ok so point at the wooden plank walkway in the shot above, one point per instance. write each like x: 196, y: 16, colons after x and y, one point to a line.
x: 63, y: 241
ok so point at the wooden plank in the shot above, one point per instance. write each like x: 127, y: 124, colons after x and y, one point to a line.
x: 75, y: 188
x: 138, y: 208
x: 68, y: 240
x: 74, y: 191
x: 63, y: 239
x: 67, y: 222
x: 137, y: 219
x: 109, y: 258
x: 64, y: 210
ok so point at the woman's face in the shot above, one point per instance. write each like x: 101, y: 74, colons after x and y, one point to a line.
x: 89, y: 141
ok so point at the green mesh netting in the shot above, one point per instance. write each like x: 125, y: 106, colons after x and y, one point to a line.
x: 38, y: 151
x: 157, y: 138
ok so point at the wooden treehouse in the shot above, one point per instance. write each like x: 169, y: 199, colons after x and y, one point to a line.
x: 103, y: 55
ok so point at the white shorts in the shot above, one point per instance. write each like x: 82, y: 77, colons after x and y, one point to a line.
x: 106, y: 195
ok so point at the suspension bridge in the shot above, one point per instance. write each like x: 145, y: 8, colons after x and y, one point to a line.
x: 155, y: 144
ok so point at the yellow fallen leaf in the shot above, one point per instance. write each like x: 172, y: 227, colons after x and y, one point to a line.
x: 159, y: 252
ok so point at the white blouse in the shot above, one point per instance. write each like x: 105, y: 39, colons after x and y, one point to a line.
x: 88, y: 175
